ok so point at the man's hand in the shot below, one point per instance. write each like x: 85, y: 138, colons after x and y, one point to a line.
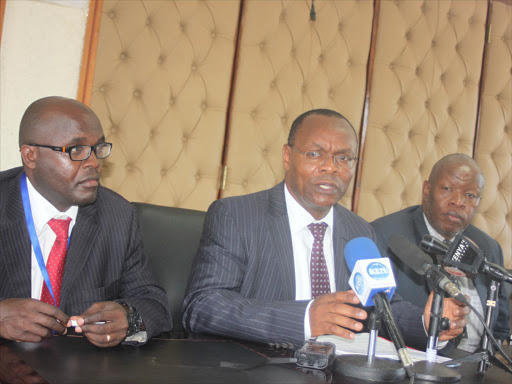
x: 30, y: 320
x: 452, y: 309
x: 332, y: 314
x: 109, y: 334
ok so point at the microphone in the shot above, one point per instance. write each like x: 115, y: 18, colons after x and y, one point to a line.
x: 419, y: 262
x: 464, y: 258
x: 432, y: 245
x: 370, y: 272
x: 373, y: 282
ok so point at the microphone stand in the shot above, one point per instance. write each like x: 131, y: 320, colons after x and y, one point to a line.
x: 492, y: 295
x: 436, y: 311
x: 370, y: 367
x: 430, y: 370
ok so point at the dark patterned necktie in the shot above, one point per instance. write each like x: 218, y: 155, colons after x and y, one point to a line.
x: 318, y: 269
x: 56, y: 260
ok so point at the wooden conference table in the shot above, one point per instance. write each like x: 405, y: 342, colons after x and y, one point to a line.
x: 74, y: 360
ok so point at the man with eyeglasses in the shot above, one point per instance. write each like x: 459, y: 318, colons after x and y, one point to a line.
x: 271, y: 265
x: 70, y: 249
x: 450, y: 198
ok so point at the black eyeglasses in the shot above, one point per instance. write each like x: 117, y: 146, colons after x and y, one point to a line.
x: 81, y: 152
x: 320, y: 157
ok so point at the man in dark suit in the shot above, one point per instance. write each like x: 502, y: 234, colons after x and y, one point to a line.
x: 69, y: 247
x: 260, y: 262
x: 450, y: 199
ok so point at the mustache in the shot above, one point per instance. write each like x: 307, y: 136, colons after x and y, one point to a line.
x: 453, y: 213
x: 94, y: 175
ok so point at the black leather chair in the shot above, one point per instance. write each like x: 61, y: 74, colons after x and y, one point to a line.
x: 171, y: 238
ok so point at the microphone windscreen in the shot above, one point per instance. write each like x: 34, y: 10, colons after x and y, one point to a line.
x: 410, y: 254
x: 358, y: 249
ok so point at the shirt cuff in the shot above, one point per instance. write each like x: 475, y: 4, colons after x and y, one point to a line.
x: 307, y: 327
x: 137, y: 338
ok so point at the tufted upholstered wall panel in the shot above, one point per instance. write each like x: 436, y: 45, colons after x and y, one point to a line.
x: 177, y: 109
x: 494, y: 143
x: 424, y: 97
x: 161, y: 88
x: 286, y: 68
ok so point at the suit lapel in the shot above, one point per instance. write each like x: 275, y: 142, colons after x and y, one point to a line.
x: 15, y: 244
x: 83, y: 238
x: 281, y: 238
x: 340, y: 239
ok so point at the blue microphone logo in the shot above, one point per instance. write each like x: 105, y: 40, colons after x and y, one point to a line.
x: 377, y: 271
x: 358, y: 283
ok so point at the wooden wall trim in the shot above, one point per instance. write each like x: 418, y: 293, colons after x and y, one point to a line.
x: 89, y: 51
x: 482, y: 72
x: 223, y: 173
x: 364, y: 121
x: 2, y: 14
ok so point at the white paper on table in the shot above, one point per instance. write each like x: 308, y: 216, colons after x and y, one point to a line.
x: 384, y: 348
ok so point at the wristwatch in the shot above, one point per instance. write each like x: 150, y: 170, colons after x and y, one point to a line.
x: 134, y: 319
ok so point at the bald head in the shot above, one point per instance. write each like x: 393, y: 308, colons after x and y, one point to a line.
x: 43, y: 115
x: 456, y: 160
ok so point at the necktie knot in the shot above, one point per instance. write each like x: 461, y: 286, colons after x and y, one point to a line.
x: 60, y: 226
x: 318, y: 230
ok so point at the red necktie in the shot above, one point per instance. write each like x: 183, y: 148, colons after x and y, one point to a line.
x: 56, y: 260
x: 318, y: 269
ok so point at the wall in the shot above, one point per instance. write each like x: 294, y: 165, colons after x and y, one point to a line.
x: 40, y: 55
x: 198, y: 96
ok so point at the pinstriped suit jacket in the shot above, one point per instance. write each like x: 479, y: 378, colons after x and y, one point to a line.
x: 243, y: 280
x: 105, y: 260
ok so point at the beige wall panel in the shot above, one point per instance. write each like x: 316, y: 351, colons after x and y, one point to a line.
x: 494, y: 146
x: 288, y: 65
x: 424, y: 96
x: 161, y: 88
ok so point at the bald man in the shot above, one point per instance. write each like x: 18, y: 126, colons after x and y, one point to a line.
x: 70, y: 249
x: 450, y: 199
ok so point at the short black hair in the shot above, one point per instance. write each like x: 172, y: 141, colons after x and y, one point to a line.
x: 324, y: 112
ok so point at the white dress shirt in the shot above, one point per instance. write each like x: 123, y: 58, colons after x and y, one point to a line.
x: 42, y: 212
x: 302, y: 244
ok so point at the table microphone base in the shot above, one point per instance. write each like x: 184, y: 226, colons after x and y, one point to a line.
x: 435, y: 372
x: 383, y: 370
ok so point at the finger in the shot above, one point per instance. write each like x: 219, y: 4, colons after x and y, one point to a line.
x: 340, y: 331
x: 49, y: 310
x: 75, y: 321
x: 346, y: 297
x: 344, y: 322
x: 347, y: 310
x: 106, y: 340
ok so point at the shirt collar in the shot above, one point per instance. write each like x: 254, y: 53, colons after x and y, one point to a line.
x: 43, y: 211
x: 433, y: 232
x: 298, y: 217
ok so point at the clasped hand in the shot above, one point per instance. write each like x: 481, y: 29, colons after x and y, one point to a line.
x: 31, y: 320
x: 453, y: 310
x: 334, y: 314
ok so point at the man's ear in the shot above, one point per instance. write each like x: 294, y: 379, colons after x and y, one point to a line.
x: 29, y: 156
x: 425, y: 189
x: 286, y: 157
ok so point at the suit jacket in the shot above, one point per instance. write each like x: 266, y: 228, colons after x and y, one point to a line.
x: 243, y: 279
x: 105, y: 259
x: 412, y: 287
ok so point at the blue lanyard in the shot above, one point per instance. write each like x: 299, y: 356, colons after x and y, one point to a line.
x: 33, y: 234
